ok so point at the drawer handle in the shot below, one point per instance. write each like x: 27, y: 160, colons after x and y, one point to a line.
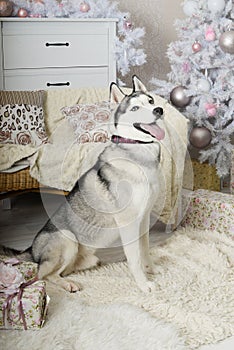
x: 57, y: 44
x: 58, y: 84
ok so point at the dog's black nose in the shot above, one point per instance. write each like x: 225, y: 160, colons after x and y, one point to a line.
x: 158, y: 111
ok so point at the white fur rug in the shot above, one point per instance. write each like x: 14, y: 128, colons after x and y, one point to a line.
x: 193, y: 300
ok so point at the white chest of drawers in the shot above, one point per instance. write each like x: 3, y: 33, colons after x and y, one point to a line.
x: 53, y: 53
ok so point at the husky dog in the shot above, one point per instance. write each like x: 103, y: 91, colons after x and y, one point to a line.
x: 112, y: 200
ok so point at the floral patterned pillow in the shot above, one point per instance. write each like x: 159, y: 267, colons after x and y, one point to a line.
x: 89, y: 121
x: 22, y: 118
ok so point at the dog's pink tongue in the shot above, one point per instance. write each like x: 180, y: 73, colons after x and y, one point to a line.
x: 154, y: 130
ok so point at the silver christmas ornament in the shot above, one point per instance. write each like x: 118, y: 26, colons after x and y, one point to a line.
x: 200, y: 137
x: 226, y: 41
x: 178, y: 97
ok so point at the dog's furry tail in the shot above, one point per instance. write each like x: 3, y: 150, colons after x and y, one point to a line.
x: 22, y: 255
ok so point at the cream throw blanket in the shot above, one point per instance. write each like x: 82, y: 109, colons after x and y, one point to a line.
x: 62, y: 162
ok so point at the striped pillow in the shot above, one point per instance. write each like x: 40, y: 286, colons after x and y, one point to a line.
x: 22, y: 97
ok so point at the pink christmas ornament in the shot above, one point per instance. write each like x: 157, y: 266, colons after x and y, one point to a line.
x: 84, y: 7
x: 186, y: 67
x: 127, y: 24
x: 196, y: 47
x: 211, y: 109
x: 22, y: 13
x: 210, y: 34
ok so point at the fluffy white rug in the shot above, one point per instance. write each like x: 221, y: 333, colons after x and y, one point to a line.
x: 193, y: 300
x: 72, y: 325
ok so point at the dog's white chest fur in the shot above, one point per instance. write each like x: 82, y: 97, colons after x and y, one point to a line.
x: 134, y: 172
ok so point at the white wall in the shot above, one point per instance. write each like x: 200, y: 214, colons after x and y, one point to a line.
x: 157, y: 17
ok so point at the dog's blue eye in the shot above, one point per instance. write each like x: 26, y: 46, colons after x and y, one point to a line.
x: 135, y: 108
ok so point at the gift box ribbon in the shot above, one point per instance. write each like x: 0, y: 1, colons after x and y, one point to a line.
x: 6, y: 307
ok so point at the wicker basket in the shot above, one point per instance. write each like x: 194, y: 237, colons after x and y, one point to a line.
x: 17, y: 181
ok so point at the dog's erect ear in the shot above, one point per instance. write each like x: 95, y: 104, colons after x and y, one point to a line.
x: 138, y: 85
x: 116, y: 94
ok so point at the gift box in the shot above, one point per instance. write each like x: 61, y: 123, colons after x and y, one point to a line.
x: 23, y: 299
x: 27, y: 268
x: 25, y: 308
x: 209, y: 210
x: 204, y: 176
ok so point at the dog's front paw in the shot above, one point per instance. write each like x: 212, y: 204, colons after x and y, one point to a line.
x: 71, y: 286
x: 147, y: 287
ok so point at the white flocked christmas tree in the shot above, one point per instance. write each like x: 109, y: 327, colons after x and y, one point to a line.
x: 201, y: 81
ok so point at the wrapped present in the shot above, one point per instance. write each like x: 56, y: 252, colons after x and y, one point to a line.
x: 209, y: 210
x: 25, y: 308
x: 27, y: 268
x: 23, y: 301
x: 204, y: 176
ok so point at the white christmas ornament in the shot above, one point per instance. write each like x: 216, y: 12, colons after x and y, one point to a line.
x: 216, y: 5
x: 190, y: 8
x: 203, y: 85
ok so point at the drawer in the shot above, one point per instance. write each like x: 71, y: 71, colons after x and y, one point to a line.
x: 62, y: 50
x: 27, y: 79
